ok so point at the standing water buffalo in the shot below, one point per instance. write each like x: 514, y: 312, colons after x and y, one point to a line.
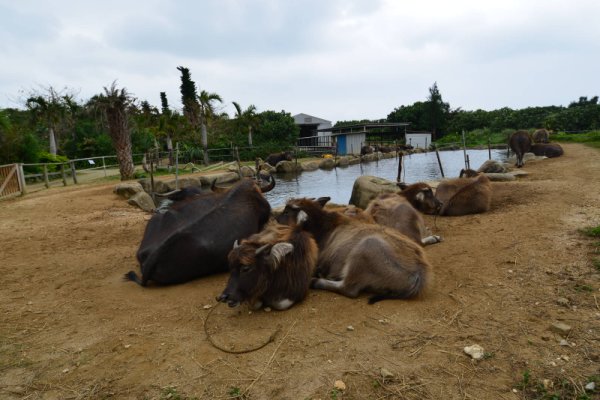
x: 547, y: 149
x: 193, y: 237
x: 462, y: 196
x: 520, y: 143
x: 541, y: 136
x: 271, y: 268
x: 356, y: 257
x: 396, y: 210
x: 275, y: 158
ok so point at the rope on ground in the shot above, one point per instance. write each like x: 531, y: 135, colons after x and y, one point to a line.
x: 249, y: 350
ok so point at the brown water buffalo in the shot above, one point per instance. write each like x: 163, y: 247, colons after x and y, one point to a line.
x: 272, y: 268
x: 396, y: 210
x: 462, y: 196
x: 547, y: 149
x: 194, y: 235
x: 541, y: 136
x: 520, y: 143
x: 383, y: 149
x: 275, y: 158
x: 366, y: 150
x: 356, y: 257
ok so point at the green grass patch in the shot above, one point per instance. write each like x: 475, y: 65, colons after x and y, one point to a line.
x: 592, y: 231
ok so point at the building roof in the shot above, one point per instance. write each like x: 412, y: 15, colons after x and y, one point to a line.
x: 358, y: 128
x: 305, y: 119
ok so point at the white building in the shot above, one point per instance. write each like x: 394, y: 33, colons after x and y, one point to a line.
x: 420, y: 140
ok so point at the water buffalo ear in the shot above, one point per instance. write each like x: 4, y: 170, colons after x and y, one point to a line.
x: 323, y: 200
x: 280, y: 250
x: 301, y: 217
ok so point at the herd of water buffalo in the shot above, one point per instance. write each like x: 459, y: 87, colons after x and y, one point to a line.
x: 273, y: 260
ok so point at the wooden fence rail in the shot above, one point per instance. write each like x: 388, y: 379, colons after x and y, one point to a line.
x: 11, y: 180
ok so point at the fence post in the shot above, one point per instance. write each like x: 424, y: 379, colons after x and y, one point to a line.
x: 22, y: 182
x: 104, y: 166
x: 46, y: 181
x: 465, y: 150
x: 177, y: 165
x: 63, y: 174
x: 73, y: 172
x: 439, y: 161
x: 399, y: 168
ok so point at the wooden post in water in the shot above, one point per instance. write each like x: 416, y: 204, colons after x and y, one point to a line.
x: 63, y: 174
x: 437, y: 153
x: 46, y: 181
x: 399, y: 168
x: 468, y: 162
x: 489, y: 148
x: 465, y: 149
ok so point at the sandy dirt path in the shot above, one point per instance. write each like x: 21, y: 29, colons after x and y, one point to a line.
x: 71, y: 328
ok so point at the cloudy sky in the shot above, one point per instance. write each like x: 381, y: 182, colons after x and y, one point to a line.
x: 335, y: 59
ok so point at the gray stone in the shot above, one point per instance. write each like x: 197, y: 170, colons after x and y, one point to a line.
x: 560, y: 328
x: 366, y: 188
x: 343, y: 162
x: 353, y: 160
x: 386, y: 374
x: 561, y: 301
x: 309, y: 166
x: 128, y: 189
x: 223, y: 177
x: 590, y: 387
x: 475, y: 351
x: 247, y: 171
x: 492, y: 166
x: 327, y: 163
x: 159, y: 186
x: 183, y: 183
x: 268, y: 167
x: 288, y: 166
x: 142, y: 200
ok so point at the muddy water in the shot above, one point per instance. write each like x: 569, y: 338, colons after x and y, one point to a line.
x: 338, y: 182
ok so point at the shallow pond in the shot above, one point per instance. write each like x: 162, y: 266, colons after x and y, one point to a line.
x: 337, y: 183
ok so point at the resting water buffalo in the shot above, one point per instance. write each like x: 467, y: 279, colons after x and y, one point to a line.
x: 461, y: 196
x: 547, y: 149
x: 356, y: 257
x: 541, y: 136
x: 275, y: 158
x: 272, y: 268
x: 383, y: 149
x: 520, y: 143
x: 366, y: 150
x: 193, y: 237
x: 396, y: 210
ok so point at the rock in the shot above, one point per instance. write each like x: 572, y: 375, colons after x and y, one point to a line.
x: 519, y: 173
x: 492, y: 166
x: 475, y: 351
x: 561, y: 301
x: 353, y: 160
x: 247, y: 171
x: 590, y: 387
x: 339, y: 385
x: 268, y: 167
x: 327, y: 163
x: 223, y: 177
x: 560, y: 328
x: 142, y: 200
x: 343, y: 162
x: 386, y: 374
x: 159, y: 186
x: 350, y: 328
x: 545, y: 338
x: 288, y: 166
x: 548, y: 384
x: 367, y: 188
x: 128, y: 189
x: 563, y: 342
x: 182, y: 183
x: 309, y: 166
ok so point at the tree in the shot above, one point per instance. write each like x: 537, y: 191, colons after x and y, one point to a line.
x: 437, y: 111
x: 207, y: 112
x: 53, y: 109
x: 246, y: 118
x: 114, y: 105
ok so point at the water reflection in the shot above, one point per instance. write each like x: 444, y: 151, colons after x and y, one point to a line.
x: 338, y: 182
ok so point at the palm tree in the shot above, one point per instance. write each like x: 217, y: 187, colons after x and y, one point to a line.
x: 247, y: 118
x: 52, y: 110
x: 207, y: 112
x: 114, y: 106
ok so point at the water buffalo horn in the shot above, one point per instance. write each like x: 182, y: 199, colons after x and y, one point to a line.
x: 260, y: 249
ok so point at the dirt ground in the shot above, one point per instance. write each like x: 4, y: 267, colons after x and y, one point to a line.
x: 71, y: 328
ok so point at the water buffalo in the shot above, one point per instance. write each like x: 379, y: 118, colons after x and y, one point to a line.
x: 383, y: 149
x: 462, y: 196
x: 275, y: 158
x: 396, y: 210
x: 541, y: 136
x: 366, y: 150
x: 547, y: 149
x: 272, y: 268
x: 194, y: 235
x: 520, y: 143
x: 356, y: 257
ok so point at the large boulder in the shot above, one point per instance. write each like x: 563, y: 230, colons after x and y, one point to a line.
x: 128, y: 189
x: 288, y: 166
x: 223, y: 177
x: 492, y: 166
x: 182, y: 183
x: 268, y: 167
x: 247, y: 171
x: 343, y: 161
x: 309, y: 166
x: 142, y: 200
x: 327, y: 163
x: 159, y: 186
x: 366, y: 188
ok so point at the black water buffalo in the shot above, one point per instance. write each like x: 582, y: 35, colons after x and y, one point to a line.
x: 547, y: 149
x: 271, y: 268
x: 194, y: 235
x: 366, y: 150
x: 520, y: 143
x: 274, y: 158
x: 355, y: 256
x: 383, y: 149
x: 540, y: 136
